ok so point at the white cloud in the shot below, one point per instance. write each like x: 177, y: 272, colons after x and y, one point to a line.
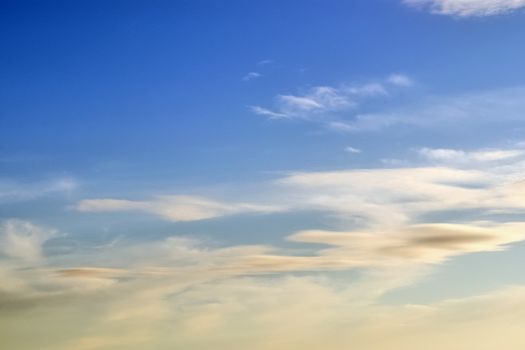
x: 384, y: 207
x: 267, y: 113
x: 320, y: 99
x: 460, y: 156
x: 211, y: 295
x: 366, y: 90
x: 352, y: 150
x: 23, y: 240
x: 400, y: 80
x: 321, y: 103
x: 384, y: 198
x: 265, y: 62
x: 251, y: 75
x: 174, y: 208
x: 17, y: 191
x: 468, y: 8
x: 472, y: 109
x: 95, y: 298
x: 299, y: 103
x: 422, y: 243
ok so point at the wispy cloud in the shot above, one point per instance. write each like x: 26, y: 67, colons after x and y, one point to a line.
x: 352, y: 150
x: 323, y: 103
x: 400, y: 80
x: 468, y: 8
x: 174, y: 208
x: 199, y: 287
x: 195, y: 288
x: 265, y: 62
x: 268, y: 113
x: 461, y: 156
x: 378, y: 198
x: 16, y: 191
x: 476, y: 108
x: 251, y: 76
x: 380, y: 228
x: 424, y: 243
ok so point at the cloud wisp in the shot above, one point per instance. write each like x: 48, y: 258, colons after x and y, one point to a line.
x: 251, y: 76
x: 460, y: 156
x: 341, y: 108
x: 471, y: 109
x: 468, y: 8
x: 174, y: 208
x: 323, y: 103
x: 16, y: 191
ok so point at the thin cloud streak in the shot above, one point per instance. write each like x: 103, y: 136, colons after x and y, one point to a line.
x: 472, y: 109
x: 174, y: 208
x: 468, y: 8
x: 322, y: 103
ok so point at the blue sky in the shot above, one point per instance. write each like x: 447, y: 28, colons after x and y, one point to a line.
x: 211, y: 161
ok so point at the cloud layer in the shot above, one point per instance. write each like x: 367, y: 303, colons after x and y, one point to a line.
x: 180, y: 292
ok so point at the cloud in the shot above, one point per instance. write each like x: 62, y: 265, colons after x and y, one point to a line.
x: 251, y: 76
x: 468, y: 8
x: 17, y: 191
x: 383, y: 207
x: 486, y: 180
x: 265, y: 62
x: 94, y: 298
x: 212, y: 294
x: 174, y: 208
x: 423, y: 243
x: 474, y: 109
x: 23, y: 240
x: 459, y: 156
x: 352, y: 150
x: 93, y: 272
x: 267, y: 113
x: 384, y: 197
x: 323, y: 103
x: 400, y: 80
x: 320, y: 99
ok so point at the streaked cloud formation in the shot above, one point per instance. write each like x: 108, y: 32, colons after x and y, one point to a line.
x: 484, y: 180
x: 468, y: 8
x: 251, y: 75
x: 174, y: 208
x: 17, y: 191
x: 131, y: 294
x: 340, y: 109
x: 358, y: 205
x: 324, y: 103
x: 473, y: 109
x: 350, y: 149
x: 459, y: 156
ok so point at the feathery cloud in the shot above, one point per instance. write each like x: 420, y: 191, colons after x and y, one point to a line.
x: 471, y: 109
x: 352, y: 150
x: 400, y: 80
x: 468, y: 8
x: 174, y: 208
x: 251, y: 76
x: 17, y: 191
x: 320, y: 103
x: 459, y: 156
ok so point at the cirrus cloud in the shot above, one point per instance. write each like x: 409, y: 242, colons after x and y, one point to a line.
x: 468, y: 8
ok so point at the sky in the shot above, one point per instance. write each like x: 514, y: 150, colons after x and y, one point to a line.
x: 267, y: 175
